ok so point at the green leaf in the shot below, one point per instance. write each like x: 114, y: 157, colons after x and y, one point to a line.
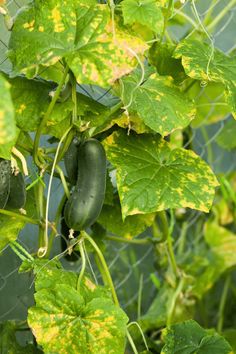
x: 210, y: 103
x: 159, y: 103
x: 160, y: 56
x: 7, y: 121
x: 156, y: 315
x: 81, y: 33
x: 226, y: 138
x: 66, y: 320
x: 145, y: 12
x: 188, y: 337
x: 201, y: 63
x: 111, y: 219
x: 152, y: 177
x: 9, y: 229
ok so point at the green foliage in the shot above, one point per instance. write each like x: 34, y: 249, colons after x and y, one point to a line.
x: 189, y: 337
x: 139, y: 80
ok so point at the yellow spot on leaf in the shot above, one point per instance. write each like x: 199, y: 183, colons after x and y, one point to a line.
x: 29, y: 25
x: 57, y: 20
x: 89, y: 284
x: 21, y: 108
x: 41, y: 29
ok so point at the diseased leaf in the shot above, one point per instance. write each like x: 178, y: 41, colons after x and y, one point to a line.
x: 152, y: 177
x: 188, y: 337
x: 5, y: 149
x: 226, y: 138
x: 201, y: 63
x: 81, y: 33
x: 231, y: 97
x: 9, y: 229
x: 30, y: 98
x: 222, y: 243
x: 72, y: 321
x: 159, y: 103
x: 111, y: 219
x: 7, y: 120
x: 145, y: 12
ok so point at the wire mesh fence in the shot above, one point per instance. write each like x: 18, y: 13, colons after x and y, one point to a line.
x: 131, y: 266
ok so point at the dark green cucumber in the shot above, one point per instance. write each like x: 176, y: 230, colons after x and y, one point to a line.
x: 85, y: 204
x: 71, y: 161
x: 5, y: 173
x: 17, y: 195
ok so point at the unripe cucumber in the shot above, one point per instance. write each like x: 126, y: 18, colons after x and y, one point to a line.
x: 17, y: 195
x: 71, y: 161
x: 85, y: 204
x: 5, y: 173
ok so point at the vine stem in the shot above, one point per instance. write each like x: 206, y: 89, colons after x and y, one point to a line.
x: 43, y: 250
x: 46, y: 117
x: 166, y: 19
x: 222, y: 304
x: 19, y: 216
x: 167, y: 236
x: 218, y: 18
x: 83, y: 266
x: 107, y: 274
x: 173, y: 302
x: 131, y: 342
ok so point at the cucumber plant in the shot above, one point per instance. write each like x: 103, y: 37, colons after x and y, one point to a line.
x: 104, y: 102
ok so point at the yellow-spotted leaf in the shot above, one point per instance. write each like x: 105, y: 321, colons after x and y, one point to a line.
x: 222, y: 243
x: 201, y: 62
x: 145, y: 12
x: 159, y: 103
x: 152, y: 177
x: 231, y: 97
x: 78, y: 31
x: 7, y: 120
x: 66, y: 320
x: 9, y: 229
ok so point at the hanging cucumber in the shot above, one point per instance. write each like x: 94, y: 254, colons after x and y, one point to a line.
x: 17, y: 195
x: 71, y: 161
x: 5, y: 173
x: 85, y: 204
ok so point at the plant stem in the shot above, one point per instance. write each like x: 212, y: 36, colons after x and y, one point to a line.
x: 166, y: 19
x: 140, y: 296
x: 220, y: 16
x: 19, y: 216
x: 63, y: 181
x: 167, y: 236
x: 222, y: 304
x: 83, y: 266
x: 173, y: 302
x: 46, y: 117
x: 107, y: 274
x: 131, y: 342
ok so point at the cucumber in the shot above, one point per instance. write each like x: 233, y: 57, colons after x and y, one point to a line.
x: 85, y: 203
x: 17, y: 195
x: 71, y: 161
x: 5, y: 173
